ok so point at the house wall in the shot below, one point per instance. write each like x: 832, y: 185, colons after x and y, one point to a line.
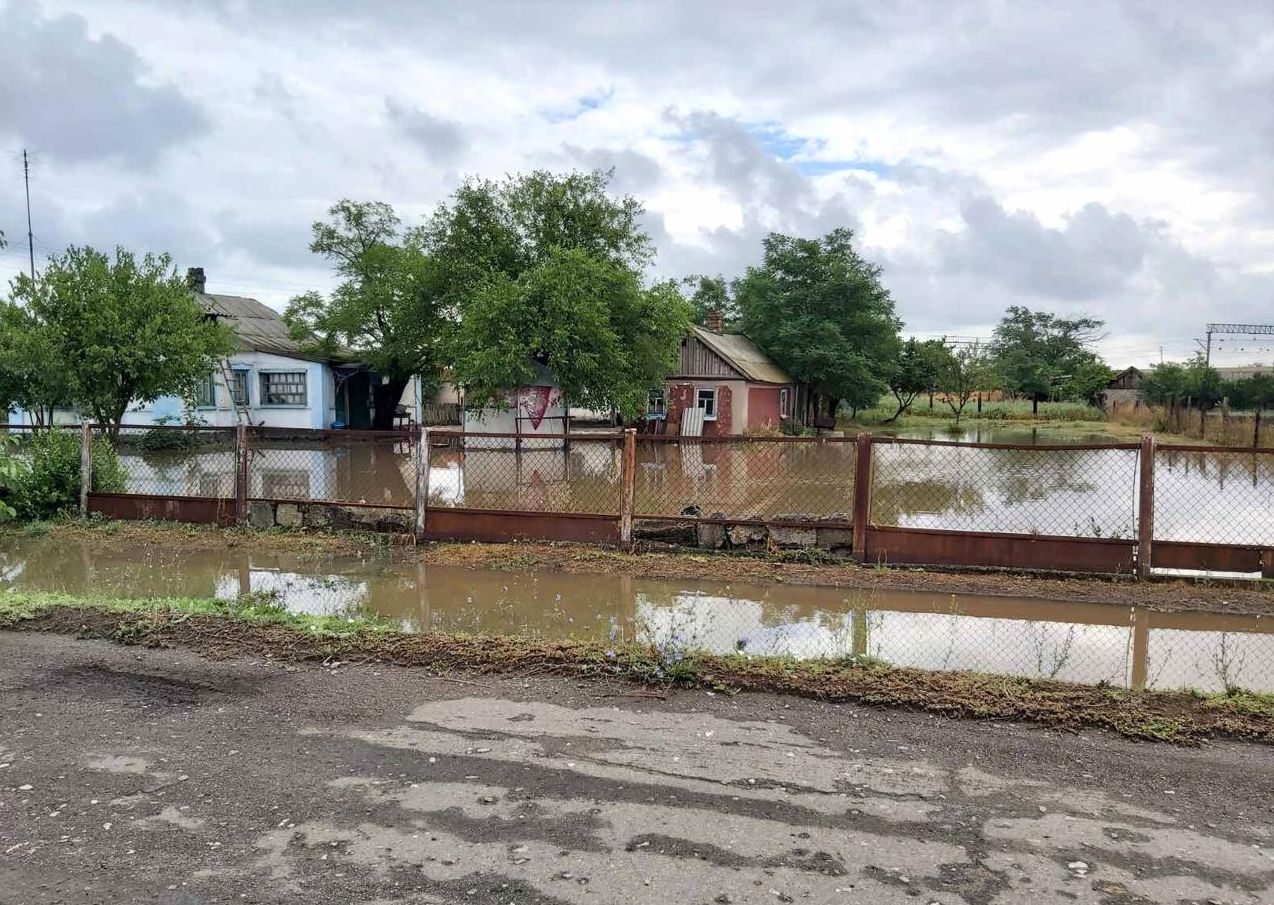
x: 732, y: 405
x: 505, y: 419
x: 1120, y: 397
x: 318, y: 412
x: 763, y: 408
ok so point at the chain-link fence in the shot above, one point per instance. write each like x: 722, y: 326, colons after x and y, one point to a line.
x: 373, y: 468
x: 546, y: 473
x: 766, y: 478
x: 1201, y: 495
x: 1214, y: 496
x: 1072, y: 491
x: 174, y: 461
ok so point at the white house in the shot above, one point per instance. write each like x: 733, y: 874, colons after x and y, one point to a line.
x: 269, y: 377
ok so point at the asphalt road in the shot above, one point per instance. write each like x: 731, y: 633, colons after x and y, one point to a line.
x: 131, y: 775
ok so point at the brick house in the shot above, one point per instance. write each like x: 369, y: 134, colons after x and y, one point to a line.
x: 736, y: 386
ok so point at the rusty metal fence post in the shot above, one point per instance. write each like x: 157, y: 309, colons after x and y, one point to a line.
x: 862, y: 495
x: 1146, y: 506
x: 242, y: 475
x: 86, y: 466
x: 628, y: 474
x: 422, y: 481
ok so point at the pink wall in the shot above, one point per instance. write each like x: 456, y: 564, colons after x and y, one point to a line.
x: 763, y: 408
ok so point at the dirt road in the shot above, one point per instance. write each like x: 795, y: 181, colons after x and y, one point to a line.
x: 131, y: 775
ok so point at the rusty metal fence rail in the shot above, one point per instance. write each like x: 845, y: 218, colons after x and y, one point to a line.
x: 1085, y: 507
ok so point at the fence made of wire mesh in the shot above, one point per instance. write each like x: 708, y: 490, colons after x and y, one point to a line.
x: 779, y: 479
x: 1214, y: 496
x: 374, y: 468
x: 579, y: 474
x: 1055, y: 490
x: 173, y: 461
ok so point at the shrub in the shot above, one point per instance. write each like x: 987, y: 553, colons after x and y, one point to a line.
x: 12, y: 471
x: 50, y: 485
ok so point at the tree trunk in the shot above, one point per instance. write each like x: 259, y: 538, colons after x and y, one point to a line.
x: 385, y: 397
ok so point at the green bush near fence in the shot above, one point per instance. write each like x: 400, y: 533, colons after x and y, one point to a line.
x: 12, y: 470
x: 49, y: 482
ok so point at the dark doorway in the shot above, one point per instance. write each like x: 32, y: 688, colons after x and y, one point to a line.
x: 354, y: 399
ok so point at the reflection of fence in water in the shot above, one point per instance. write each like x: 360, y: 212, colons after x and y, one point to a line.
x: 1054, y: 490
x: 1214, y: 496
x: 178, y: 462
x: 1209, y: 660
x: 475, y: 472
x: 749, y: 479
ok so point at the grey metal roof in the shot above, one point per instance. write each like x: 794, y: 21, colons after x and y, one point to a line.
x: 742, y: 354
x: 258, y: 326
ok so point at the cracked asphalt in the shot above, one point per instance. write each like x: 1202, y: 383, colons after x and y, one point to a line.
x: 131, y: 775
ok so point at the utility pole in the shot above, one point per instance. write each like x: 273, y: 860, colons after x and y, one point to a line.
x: 26, y: 179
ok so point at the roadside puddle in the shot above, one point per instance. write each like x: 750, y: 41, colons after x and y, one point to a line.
x: 1083, y: 642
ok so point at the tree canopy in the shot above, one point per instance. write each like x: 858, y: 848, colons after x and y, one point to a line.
x: 119, y: 331
x: 603, y: 338
x: 1039, y: 354
x: 967, y: 371
x: 920, y: 368
x: 819, y: 309
x: 708, y: 295
x: 1194, y: 382
x: 493, y: 229
x: 546, y: 271
x: 387, y: 310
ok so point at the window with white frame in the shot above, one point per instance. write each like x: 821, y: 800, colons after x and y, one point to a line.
x: 283, y: 388
x: 785, y: 403
x: 657, y: 402
x: 707, y: 400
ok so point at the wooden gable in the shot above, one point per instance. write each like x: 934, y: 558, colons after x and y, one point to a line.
x: 697, y: 360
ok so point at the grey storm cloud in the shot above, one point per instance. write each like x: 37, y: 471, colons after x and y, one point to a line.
x: 77, y: 97
x: 443, y: 140
x: 1096, y: 252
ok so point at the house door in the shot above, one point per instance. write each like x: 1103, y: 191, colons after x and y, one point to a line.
x: 354, y: 401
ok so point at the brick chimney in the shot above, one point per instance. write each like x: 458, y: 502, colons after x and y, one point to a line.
x: 714, y: 320
x: 196, y: 280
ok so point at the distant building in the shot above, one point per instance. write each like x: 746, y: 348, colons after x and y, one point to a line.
x: 1123, y: 389
x: 727, y: 381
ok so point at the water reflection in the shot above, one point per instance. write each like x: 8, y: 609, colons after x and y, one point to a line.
x: 1204, y: 497
x: 1034, y: 638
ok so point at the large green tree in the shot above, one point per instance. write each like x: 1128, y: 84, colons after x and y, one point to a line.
x: 819, y: 309
x: 546, y: 271
x: 603, y: 337
x: 122, y: 330
x: 491, y: 229
x: 921, y: 367
x: 1040, y: 355
x: 388, y: 309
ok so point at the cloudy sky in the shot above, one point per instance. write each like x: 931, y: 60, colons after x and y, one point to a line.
x: 1115, y: 159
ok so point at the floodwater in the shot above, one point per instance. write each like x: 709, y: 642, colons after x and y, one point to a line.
x: 1201, y: 497
x: 1015, y: 636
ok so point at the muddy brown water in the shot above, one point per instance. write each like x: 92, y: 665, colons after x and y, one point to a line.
x: 1016, y: 636
x: 1202, y: 497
